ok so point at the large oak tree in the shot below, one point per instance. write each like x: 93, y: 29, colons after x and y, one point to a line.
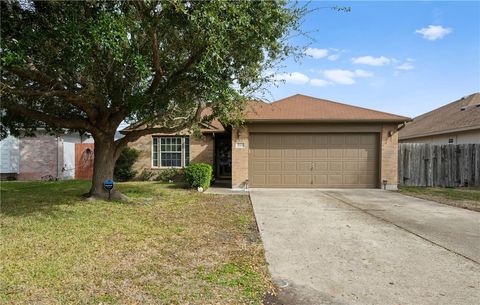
x: 89, y: 66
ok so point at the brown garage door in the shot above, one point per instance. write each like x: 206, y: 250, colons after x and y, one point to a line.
x: 347, y: 160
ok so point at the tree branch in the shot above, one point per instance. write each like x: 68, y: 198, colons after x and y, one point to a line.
x: 155, y: 62
x: 55, y: 89
x: 136, y: 134
x: 49, y: 119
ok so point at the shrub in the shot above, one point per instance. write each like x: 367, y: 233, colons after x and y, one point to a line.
x: 170, y: 174
x: 145, y: 175
x: 123, y: 167
x: 198, y: 175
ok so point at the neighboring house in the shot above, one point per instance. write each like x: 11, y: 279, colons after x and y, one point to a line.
x: 46, y: 157
x: 299, y: 141
x: 454, y: 123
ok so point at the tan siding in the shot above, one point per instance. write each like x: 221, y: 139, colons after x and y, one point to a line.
x: 240, y: 158
x: 464, y: 137
x: 389, y: 156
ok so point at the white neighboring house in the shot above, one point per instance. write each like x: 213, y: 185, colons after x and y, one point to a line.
x: 9, y: 156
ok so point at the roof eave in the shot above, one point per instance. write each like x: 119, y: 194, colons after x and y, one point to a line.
x: 440, y: 132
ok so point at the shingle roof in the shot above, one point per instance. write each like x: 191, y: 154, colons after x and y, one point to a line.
x: 306, y: 108
x: 448, y: 118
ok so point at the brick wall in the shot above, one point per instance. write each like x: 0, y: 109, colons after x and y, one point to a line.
x: 240, y: 158
x: 201, y: 150
x: 40, y: 156
x: 389, y: 156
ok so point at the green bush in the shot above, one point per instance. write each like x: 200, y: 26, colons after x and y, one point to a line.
x: 198, y: 175
x: 170, y: 174
x: 145, y: 175
x: 123, y: 167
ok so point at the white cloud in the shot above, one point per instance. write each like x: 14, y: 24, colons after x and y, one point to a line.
x: 316, y: 53
x: 405, y: 66
x: 371, y: 61
x: 293, y: 78
x: 363, y: 73
x: 333, y: 57
x: 345, y: 77
x: 317, y: 82
x: 434, y: 32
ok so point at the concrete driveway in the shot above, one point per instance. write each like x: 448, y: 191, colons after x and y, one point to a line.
x: 368, y: 247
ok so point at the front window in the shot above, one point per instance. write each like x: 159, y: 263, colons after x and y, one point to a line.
x: 170, y: 151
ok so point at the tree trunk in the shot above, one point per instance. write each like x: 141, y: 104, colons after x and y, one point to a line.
x: 104, y: 162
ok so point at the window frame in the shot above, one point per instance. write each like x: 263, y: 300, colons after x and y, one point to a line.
x: 185, y: 144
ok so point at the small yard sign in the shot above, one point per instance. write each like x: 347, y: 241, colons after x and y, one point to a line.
x: 108, y: 186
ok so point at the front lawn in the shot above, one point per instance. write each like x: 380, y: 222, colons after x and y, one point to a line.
x: 168, y: 245
x: 467, y: 198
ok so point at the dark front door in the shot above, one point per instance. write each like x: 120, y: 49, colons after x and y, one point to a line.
x: 223, y: 155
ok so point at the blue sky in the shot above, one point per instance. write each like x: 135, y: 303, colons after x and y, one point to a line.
x: 401, y: 57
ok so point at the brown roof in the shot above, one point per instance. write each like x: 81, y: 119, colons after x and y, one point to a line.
x: 306, y: 108
x: 448, y: 118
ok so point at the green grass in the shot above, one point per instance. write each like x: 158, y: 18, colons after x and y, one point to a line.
x: 168, y: 245
x: 468, y: 198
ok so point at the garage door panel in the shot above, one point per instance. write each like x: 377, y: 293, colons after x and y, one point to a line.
x: 320, y: 140
x: 290, y: 180
x: 335, y: 166
x: 305, y: 153
x: 275, y: 166
x: 350, y: 166
x: 289, y: 166
x: 314, y: 160
x: 289, y: 153
x: 320, y: 179
x: 304, y: 179
x: 275, y: 153
x: 304, y: 166
x: 350, y: 179
x: 304, y: 140
x: 352, y: 139
x: 274, y: 179
x: 321, y: 166
x: 335, y: 153
x: 368, y: 139
x: 259, y: 153
x: 337, y: 139
x: 333, y: 180
x: 350, y: 153
x: 275, y: 140
x: 320, y: 153
x: 260, y: 180
x: 259, y: 166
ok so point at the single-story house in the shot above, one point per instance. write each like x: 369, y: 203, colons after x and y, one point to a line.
x: 47, y: 157
x: 296, y: 142
x: 454, y: 123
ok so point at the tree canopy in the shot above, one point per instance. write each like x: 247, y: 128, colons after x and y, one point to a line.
x: 90, y: 65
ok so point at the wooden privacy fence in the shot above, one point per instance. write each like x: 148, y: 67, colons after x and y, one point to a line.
x: 448, y: 165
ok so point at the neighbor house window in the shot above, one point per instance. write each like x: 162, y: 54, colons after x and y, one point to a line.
x: 170, y: 151
x: 451, y: 141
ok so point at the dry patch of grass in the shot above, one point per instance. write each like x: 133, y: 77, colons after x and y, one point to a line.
x: 168, y: 245
x: 467, y: 198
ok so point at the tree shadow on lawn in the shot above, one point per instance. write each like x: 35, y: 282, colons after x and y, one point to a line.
x: 20, y: 199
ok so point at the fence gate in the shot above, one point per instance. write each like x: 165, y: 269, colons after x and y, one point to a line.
x: 84, y: 161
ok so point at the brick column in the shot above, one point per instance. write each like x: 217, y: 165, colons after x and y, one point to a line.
x: 240, y: 158
x: 389, y: 156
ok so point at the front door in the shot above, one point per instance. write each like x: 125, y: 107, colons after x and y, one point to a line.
x: 223, y: 153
